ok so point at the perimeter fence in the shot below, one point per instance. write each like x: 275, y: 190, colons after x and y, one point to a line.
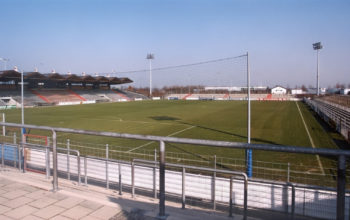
x: 262, y: 170
x: 186, y: 183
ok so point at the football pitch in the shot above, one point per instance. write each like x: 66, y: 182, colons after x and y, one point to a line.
x: 281, y: 123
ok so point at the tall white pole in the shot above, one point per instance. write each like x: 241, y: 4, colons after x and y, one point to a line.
x: 318, y: 77
x: 150, y: 77
x: 22, y: 105
x: 248, y: 87
x: 249, y: 152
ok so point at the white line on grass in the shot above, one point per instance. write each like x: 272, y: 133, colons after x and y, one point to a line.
x: 178, y: 132
x: 311, y: 141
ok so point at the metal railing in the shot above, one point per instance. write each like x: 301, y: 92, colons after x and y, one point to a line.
x: 184, y: 167
x: 19, y: 156
x: 340, y: 154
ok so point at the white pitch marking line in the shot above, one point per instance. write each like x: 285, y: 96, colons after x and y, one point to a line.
x: 167, y: 136
x: 311, y: 141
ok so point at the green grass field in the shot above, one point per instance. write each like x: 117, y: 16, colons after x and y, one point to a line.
x: 272, y: 123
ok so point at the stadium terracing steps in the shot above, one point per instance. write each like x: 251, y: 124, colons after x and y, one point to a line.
x: 75, y: 94
x: 55, y: 96
x: 40, y: 96
x: 121, y: 94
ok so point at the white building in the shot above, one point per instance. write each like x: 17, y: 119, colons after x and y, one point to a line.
x: 297, y: 91
x: 279, y: 90
x: 345, y: 91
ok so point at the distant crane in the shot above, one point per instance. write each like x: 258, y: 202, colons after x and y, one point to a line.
x: 5, y: 60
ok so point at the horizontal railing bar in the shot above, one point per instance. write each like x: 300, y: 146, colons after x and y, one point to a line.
x: 266, y: 147
x: 31, y: 145
x: 194, y: 167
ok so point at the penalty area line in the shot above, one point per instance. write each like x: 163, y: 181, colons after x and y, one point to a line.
x: 311, y: 141
x: 175, y: 133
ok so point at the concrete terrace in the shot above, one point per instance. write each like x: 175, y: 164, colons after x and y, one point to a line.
x: 29, y: 196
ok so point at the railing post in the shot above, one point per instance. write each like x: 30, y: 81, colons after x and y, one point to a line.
x: 183, y: 187
x: 85, y: 170
x: 24, y: 140
x: 293, y: 200
x: 2, y: 155
x: 107, y: 175
x: 79, y: 170
x: 154, y: 175
x: 19, y: 156
x: 245, y: 198
x: 68, y: 159
x: 230, y: 211
x: 132, y: 179
x: 47, y: 161
x: 3, y: 127
x: 54, y: 160
x: 341, y: 188
x: 214, y: 184
x: 162, y: 179
x: 288, y: 172
x: 120, y: 179
x: 14, y: 150
x: 48, y: 165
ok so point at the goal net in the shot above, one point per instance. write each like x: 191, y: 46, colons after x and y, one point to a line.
x: 211, y: 76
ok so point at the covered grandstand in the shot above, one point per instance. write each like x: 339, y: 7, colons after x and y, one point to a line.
x: 57, y: 89
x: 12, y: 78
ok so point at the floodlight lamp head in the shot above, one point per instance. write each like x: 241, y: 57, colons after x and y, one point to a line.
x: 150, y: 56
x: 317, y: 46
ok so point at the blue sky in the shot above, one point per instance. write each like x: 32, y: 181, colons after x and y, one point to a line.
x: 101, y: 36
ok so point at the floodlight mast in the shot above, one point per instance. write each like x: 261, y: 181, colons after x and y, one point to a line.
x: 150, y: 57
x: 317, y: 46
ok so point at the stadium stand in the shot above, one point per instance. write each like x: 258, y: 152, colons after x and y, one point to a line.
x: 343, y: 100
x: 132, y: 95
x: 2, y: 103
x: 54, y: 88
x: 115, y: 96
x: 93, y: 95
x: 30, y: 99
x: 57, y: 96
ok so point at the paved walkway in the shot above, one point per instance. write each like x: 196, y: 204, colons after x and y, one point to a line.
x: 28, y: 196
x: 22, y: 201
